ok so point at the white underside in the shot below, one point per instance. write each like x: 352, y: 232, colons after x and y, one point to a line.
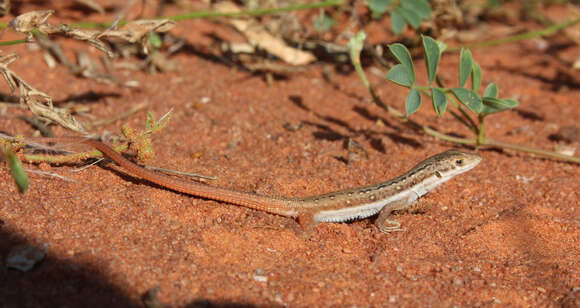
x: 361, y: 211
x: 369, y: 209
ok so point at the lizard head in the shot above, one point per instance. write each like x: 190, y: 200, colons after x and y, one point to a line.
x: 452, y: 162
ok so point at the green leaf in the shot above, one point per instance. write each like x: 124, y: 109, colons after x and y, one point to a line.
x: 163, y: 121
x: 424, y: 8
x: 420, y: 7
x: 442, y: 46
x: 410, y: 16
x: 475, y: 77
x: 491, y: 90
x: 432, y: 54
x: 413, y: 101
x: 17, y: 170
x: 493, y: 105
x: 323, y: 23
x: 511, y: 102
x: 500, y: 104
x: 465, y: 65
x: 402, y: 54
x: 400, y: 75
x: 355, y: 46
x: 154, y: 125
x: 493, y: 102
x: 488, y: 110
x: 150, y: 122
x: 379, y: 7
x: 155, y: 40
x: 468, y: 98
x: 356, y: 42
x: 397, y: 22
x: 439, y: 101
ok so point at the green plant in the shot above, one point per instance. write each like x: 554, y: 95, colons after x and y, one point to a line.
x: 16, y: 169
x: 145, y: 33
x: 402, y: 12
x: 404, y: 74
x: 137, y: 140
x: 323, y: 22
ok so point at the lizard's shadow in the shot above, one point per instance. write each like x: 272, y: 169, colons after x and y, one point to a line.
x: 328, y: 128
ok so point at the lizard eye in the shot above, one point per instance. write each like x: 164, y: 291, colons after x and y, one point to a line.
x: 459, y: 162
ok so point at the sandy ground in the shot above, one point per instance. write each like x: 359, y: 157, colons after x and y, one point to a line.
x: 504, y: 234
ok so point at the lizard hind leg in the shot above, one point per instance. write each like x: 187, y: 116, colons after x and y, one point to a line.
x: 307, y: 224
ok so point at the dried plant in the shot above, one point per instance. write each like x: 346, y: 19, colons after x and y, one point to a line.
x: 37, y: 28
x: 37, y: 101
x: 132, y: 32
x: 4, y: 7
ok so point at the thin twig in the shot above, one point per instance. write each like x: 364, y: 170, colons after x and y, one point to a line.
x: 98, y: 160
x: 119, y: 116
x: 488, y: 143
x: 193, y: 175
x: 214, y: 14
x: 36, y: 123
x: 258, y: 12
x: 520, y: 37
x: 73, y: 158
x: 34, y: 145
x: 502, y: 145
x: 51, y: 174
x: 14, y: 42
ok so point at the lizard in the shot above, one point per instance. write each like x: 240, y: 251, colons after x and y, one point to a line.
x: 340, y: 206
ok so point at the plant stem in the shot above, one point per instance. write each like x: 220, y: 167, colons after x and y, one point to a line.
x: 73, y: 158
x: 200, y: 14
x: 258, y: 12
x: 549, y: 154
x: 15, y: 42
x: 524, y: 36
x: 480, y: 141
x: 481, y: 130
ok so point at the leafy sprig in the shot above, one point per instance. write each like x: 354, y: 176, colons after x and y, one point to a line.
x: 14, y: 164
x: 404, y: 74
x: 411, y: 12
x: 463, y: 98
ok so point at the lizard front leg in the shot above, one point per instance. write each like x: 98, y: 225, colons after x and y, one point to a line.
x: 383, y: 222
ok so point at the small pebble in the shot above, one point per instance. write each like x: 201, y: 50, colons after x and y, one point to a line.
x: 259, y: 278
x: 24, y: 257
x: 540, y: 289
x: 565, y: 149
x: 567, y: 134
